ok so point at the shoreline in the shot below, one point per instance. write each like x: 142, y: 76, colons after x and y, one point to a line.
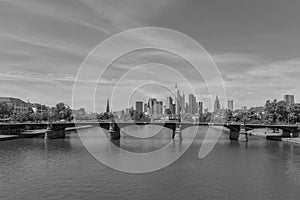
x: 266, y: 132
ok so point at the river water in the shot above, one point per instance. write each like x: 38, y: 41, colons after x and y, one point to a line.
x: 35, y: 168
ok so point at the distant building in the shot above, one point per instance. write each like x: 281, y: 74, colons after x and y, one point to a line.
x: 139, y: 106
x: 244, y: 108
x: 173, y: 108
x: 183, y: 110
x: 151, y: 105
x: 230, y: 105
x: 107, y: 106
x: 186, y: 107
x: 289, y: 99
x: 127, y: 110
x: 145, y: 108
x: 169, y: 103
x: 118, y: 114
x: 205, y: 110
x: 200, y: 108
x: 18, y: 105
x: 160, y: 108
x: 217, y: 106
x: 192, y: 108
x: 40, y: 109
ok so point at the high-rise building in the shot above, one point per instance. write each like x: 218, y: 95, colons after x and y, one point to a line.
x: 145, y: 107
x: 192, y: 108
x: 173, y: 108
x: 195, y: 106
x: 151, y: 105
x: 169, y: 102
x: 217, y: 105
x: 200, y: 108
x: 289, y: 99
x: 186, y: 108
x: 139, y: 106
x: 230, y: 105
x: 177, y: 100
x: 160, y: 108
x: 183, y: 103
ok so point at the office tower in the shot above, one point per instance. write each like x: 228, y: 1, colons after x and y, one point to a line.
x: 195, y: 107
x: 192, y: 108
x: 159, y: 108
x: 186, y: 108
x: 139, y: 106
x: 176, y: 98
x: 173, y: 108
x: 151, y: 105
x: 183, y: 103
x: 200, y: 108
x: 289, y: 99
x: 217, y: 105
x: 169, y: 102
x: 230, y: 105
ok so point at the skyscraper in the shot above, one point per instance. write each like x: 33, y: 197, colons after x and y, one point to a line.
x: 192, y: 104
x: 200, y: 108
x: 160, y: 108
x: 289, y: 99
x: 217, y: 105
x: 183, y: 103
x: 190, y: 110
x: 169, y: 102
x: 176, y: 100
x: 230, y: 105
x: 139, y: 106
x: 151, y: 105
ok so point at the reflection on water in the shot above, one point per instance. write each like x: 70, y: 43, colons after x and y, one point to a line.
x: 64, y: 169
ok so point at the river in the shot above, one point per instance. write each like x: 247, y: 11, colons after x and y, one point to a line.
x: 34, y: 168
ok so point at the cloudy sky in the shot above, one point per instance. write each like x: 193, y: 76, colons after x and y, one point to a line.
x: 255, y: 45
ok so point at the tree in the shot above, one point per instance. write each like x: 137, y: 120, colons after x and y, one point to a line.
x: 5, y: 110
x: 105, y: 116
x: 271, y: 111
x: 63, y: 112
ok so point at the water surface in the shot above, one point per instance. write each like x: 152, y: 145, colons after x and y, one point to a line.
x: 64, y: 169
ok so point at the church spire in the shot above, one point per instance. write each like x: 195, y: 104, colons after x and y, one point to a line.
x: 107, y: 105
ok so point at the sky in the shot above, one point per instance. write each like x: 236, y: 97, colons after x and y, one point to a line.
x: 254, y: 44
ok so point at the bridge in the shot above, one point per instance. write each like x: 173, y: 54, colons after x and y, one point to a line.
x: 57, y: 129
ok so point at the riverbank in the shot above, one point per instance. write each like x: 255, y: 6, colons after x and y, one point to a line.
x: 267, y: 132
x: 37, y: 133
x: 8, y: 137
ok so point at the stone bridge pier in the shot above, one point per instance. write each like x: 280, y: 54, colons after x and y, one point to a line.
x: 56, y: 131
x: 114, y: 129
x: 236, y: 131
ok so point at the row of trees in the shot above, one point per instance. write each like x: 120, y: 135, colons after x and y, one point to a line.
x: 132, y: 115
x: 280, y: 112
x: 59, y: 112
x: 275, y: 112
